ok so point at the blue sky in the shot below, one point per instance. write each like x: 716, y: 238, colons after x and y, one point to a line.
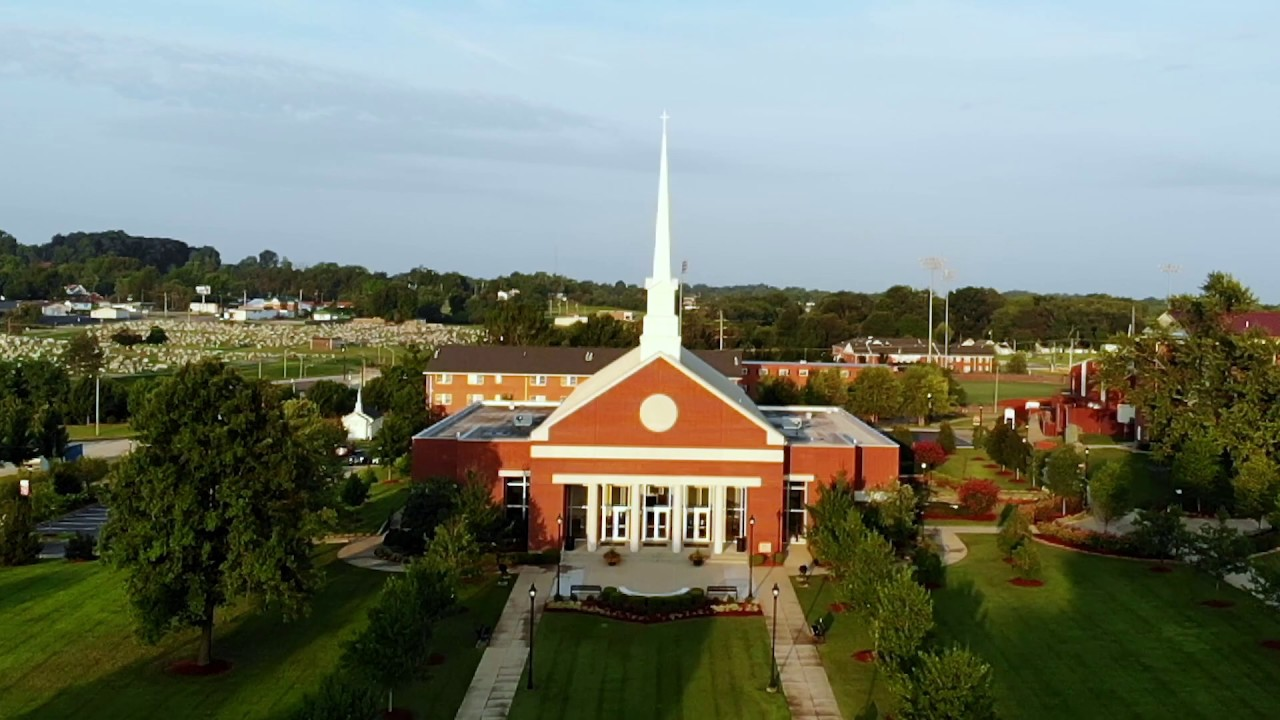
x: 1055, y: 146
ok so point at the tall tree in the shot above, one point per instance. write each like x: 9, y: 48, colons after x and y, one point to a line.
x: 1197, y: 469
x: 518, y: 321
x: 15, y: 431
x: 48, y: 435
x: 875, y: 394
x: 826, y: 387
x: 19, y: 543
x: 220, y: 501
x: 902, y: 615
x: 779, y: 391
x: 950, y: 685
x: 1110, y: 491
x: 1257, y: 487
x: 83, y: 354
x: 1062, y: 472
x: 925, y: 392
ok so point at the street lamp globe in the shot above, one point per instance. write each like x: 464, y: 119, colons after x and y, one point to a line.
x: 775, y: 590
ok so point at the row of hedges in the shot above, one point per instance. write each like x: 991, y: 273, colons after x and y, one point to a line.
x: 1092, y: 541
x: 546, y: 557
x: 616, y: 605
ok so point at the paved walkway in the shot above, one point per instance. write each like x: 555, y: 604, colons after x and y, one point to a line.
x: 360, y: 554
x: 804, y: 681
x: 498, y: 676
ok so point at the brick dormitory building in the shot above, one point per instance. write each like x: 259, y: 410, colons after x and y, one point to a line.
x: 652, y: 446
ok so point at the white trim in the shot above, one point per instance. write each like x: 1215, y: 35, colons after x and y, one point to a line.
x: 513, y: 473
x: 617, y: 452
x: 799, y: 477
x: 674, y: 481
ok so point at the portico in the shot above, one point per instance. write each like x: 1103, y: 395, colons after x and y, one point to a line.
x: 637, y: 511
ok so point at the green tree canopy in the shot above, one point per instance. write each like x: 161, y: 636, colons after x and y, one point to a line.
x: 220, y: 501
x: 875, y: 394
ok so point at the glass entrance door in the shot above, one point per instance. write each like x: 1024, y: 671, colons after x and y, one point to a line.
x: 697, y: 515
x: 796, y: 511
x: 657, y: 514
x: 617, y: 513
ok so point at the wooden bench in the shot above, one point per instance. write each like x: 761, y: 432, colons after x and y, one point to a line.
x: 584, y: 589
x: 729, y: 591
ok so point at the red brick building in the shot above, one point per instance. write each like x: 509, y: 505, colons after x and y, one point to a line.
x: 960, y: 357
x: 755, y: 372
x: 657, y: 447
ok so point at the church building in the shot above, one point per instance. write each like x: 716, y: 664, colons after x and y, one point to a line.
x: 658, y: 447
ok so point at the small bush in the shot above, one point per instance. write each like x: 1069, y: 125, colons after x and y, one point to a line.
x: 405, y: 542
x: 1102, y: 543
x: 342, y: 695
x: 545, y: 557
x: 929, y: 569
x: 81, y: 547
x: 979, y: 497
x: 947, y: 438
x: 354, y: 491
x: 66, y: 481
x: 979, y: 435
x: 1026, y: 559
x: 652, y: 606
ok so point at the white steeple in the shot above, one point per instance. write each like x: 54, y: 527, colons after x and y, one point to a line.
x: 661, y: 333
x: 359, y: 398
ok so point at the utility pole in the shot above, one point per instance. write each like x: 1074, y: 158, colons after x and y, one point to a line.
x: 97, y: 403
x: 933, y: 265
x: 722, y: 329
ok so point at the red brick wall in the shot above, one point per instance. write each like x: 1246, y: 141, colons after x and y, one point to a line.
x: 879, y: 467
x: 517, y: 388
x: 766, y: 505
x: 705, y: 419
x: 752, y: 380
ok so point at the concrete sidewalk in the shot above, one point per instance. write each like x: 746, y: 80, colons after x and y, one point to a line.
x: 497, y: 678
x: 804, y: 680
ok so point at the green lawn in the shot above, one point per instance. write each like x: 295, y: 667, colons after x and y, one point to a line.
x: 1270, y: 560
x: 68, y: 648
x: 982, y: 392
x: 964, y: 464
x: 107, y: 431
x: 384, y: 499
x: 1103, y: 638
x: 705, y: 669
x: 1150, y: 488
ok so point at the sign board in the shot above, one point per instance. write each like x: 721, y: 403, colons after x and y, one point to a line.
x: 24, y: 488
x: 204, y: 290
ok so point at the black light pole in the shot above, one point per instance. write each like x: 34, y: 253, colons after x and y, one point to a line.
x: 533, y: 592
x: 751, y: 548
x: 930, y: 418
x: 559, y: 539
x: 773, y: 647
x: 1087, y: 498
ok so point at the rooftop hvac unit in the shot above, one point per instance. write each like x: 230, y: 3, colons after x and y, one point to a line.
x: 523, y: 420
x: 791, y: 423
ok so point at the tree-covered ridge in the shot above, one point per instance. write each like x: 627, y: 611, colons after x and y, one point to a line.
x: 117, y: 265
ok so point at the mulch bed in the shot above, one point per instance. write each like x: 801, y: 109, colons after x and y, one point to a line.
x: 933, y: 586
x: 189, y: 668
x: 986, y: 517
x: 1160, y: 569
x: 1270, y: 644
x: 1004, y: 473
x: 1026, y: 582
x: 397, y: 714
x: 991, y: 466
x: 435, y: 659
x: 837, y: 607
x: 1018, y: 481
x: 1007, y: 560
x: 865, y: 656
x: 658, y: 617
x: 1217, y: 603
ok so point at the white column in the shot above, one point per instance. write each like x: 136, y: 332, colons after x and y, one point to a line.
x: 593, y: 517
x: 718, y: 496
x: 677, y: 517
x: 636, y: 526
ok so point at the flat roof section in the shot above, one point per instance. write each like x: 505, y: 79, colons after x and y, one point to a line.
x: 484, y: 421
x: 824, y: 425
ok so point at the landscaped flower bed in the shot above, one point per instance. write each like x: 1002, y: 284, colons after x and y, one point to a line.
x: 637, y: 608
x: 1095, y: 542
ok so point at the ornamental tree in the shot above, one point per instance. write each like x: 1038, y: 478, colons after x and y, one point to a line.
x: 875, y: 394
x: 928, y: 452
x: 901, y: 617
x: 979, y: 497
x: 951, y: 685
x: 1160, y: 533
x: 947, y: 438
x: 19, y: 543
x: 221, y: 501
x: 1109, y: 491
x: 1257, y: 487
x: 1220, y: 550
x: 1197, y: 468
x: 1062, y: 472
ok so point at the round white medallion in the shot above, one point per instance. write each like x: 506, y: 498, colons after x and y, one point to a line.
x: 658, y: 413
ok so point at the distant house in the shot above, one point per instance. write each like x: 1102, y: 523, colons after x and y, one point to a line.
x: 205, y: 308
x: 569, y: 320
x: 359, y: 423
x: 247, y: 314
x: 963, y: 357
x: 57, y: 309
x: 328, y: 343
x: 113, y: 313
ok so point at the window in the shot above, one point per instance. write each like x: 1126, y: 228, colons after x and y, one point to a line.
x: 444, y: 399
x: 478, y: 397
x: 539, y: 380
x: 783, y: 372
x: 497, y: 379
x: 539, y: 398
x: 475, y: 379
x: 446, y: 379
x: 764, y: 371
x: 804, y: 372
x: 569, y: 381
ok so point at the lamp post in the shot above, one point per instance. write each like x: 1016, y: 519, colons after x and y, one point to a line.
x: 533, y: 592
x: 751, y: 546
x: 773, y: 647
x: 924, y: 469
x: 929, y: 418
x: 1087, y: 499
x: 560, y: 549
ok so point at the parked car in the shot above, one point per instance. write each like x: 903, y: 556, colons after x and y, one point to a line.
x: 358, y: 458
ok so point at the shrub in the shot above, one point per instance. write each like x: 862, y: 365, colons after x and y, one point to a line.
x: 354, y: 490
x: 929, y: 453
x: 1015, y: 528
x: 81, y: 547
x: 903, y: 436
x: 342, y: 695
x: 693, y: 600
x: 1101, y: 543
x: 979, y: 436
x: 545, y: 557
x: 1026, y: 559
x: 406, y: 542
x: 929, y: 568
x: 979, y: 497
x: 18, y: 541
x: 947, y: 438
x: 66, y: 481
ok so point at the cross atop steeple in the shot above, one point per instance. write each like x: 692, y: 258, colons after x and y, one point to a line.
x: 661, y: 322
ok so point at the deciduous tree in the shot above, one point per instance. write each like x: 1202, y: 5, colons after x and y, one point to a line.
x: 951, y: 685
x: 1110, y: 491
x: 1016, y: 364
x: 826, y: 387
x: 221, y: 500
x: 1257, y: 487
x: 901, y: 617
x: 1220, y: 550
x: 875, y: 394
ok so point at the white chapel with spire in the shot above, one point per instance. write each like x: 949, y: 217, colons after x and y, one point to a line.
x: 361, y: 425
